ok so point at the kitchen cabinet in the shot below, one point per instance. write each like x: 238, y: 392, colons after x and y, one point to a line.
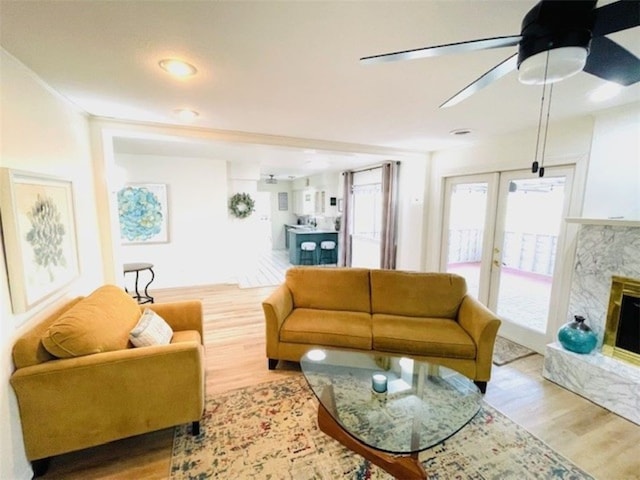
x: 304, y: 202
x: 296, y: 237
x: 309, y: 202
x: 319, y: 203
x: 297, y: 197
x: 287, y: 229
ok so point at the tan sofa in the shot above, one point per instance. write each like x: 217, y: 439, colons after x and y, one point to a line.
x: 426, y: 316
x: 105, y: 389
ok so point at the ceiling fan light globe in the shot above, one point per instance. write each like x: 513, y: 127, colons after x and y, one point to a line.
x: 563, y: 63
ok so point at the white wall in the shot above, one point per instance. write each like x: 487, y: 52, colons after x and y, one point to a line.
x: 198, y: 249
x: 245, y: 245
x: 613, y: 179
x: 41, y: 133
x: 411, y: 213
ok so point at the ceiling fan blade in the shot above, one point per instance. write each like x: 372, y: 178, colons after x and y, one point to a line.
x: 492, y: 75
x: 616, y: 16
x: 459, y: 47
x: 609, y: 61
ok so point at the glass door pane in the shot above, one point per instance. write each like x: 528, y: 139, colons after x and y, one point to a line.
x: 530, y: 217
x: 468, y: 230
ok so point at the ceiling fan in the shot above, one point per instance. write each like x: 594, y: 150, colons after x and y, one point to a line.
x: 557, y: 39
x: 271, y: 180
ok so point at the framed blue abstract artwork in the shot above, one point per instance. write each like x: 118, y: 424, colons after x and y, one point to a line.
x: 143, y: 213
x: 39, y: 233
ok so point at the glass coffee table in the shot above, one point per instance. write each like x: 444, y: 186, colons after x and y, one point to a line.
x: 387, y: 408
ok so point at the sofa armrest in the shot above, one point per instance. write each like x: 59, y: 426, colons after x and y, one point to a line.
x: 482, y: 325
x: 74, y: 403
x: 182, y: 315
x: 276, y: 308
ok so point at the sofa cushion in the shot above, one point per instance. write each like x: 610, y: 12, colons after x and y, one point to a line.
x: 330, y: 288
x: 186, y: 336
x: 439, y: 337
x: 98, y: 323
x: 327, y: 327
x: 416, y: 294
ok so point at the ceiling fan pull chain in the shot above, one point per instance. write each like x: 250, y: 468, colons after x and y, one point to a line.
x: 535, y: 164
x: 546, y: 131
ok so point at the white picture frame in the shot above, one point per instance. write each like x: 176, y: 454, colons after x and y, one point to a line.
x: 39, y: 233
x: 143, y: 213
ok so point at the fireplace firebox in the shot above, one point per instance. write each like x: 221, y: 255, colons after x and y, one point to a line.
x: 622, y: 332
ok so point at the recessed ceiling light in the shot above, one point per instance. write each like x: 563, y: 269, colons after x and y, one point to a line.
x: 186, y: 115
x: 605, y: 92
x: 177, y: 68
x: 460, y: 131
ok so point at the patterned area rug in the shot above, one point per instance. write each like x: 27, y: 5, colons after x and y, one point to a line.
x: 505, y: 351
x: 269, y: 432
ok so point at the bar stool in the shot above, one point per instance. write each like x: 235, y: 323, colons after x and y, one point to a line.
x: 308, y: 253
x: 327, y: 252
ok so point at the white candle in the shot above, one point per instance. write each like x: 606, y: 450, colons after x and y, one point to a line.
x: 379, y: 383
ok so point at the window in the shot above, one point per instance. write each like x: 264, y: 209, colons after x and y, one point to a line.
x: 367, y: 208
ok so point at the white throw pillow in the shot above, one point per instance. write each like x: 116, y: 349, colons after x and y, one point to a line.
x: 151, y: 330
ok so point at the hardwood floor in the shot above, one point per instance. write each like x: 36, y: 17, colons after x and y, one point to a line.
x: 600, y: 442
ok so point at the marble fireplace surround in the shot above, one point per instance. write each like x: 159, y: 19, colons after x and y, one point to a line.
x: 605, y: 248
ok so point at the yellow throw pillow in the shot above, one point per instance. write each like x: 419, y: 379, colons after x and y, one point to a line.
x: 98, y: 323
x: 150, y: 330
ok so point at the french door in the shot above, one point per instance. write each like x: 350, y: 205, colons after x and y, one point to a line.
x: 501, y: 231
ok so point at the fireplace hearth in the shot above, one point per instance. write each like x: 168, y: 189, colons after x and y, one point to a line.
x: 606, y: 265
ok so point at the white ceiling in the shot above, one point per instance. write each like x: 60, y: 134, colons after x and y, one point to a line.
x: 289, y: 69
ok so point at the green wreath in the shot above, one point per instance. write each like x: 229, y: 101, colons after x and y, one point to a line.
x: 241, y: 205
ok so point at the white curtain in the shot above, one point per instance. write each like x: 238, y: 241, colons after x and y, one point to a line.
x: 388, y: 234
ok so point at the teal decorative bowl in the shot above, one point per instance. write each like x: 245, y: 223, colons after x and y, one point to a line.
x: 577, y: 336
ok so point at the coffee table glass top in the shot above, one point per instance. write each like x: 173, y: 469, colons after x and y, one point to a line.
x: 424, y: 404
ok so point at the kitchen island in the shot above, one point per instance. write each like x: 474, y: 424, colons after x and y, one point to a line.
x: 299, y: 235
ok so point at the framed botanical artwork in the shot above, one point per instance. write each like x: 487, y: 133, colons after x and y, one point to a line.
x: 39, y: 233
x: 143, y: 213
